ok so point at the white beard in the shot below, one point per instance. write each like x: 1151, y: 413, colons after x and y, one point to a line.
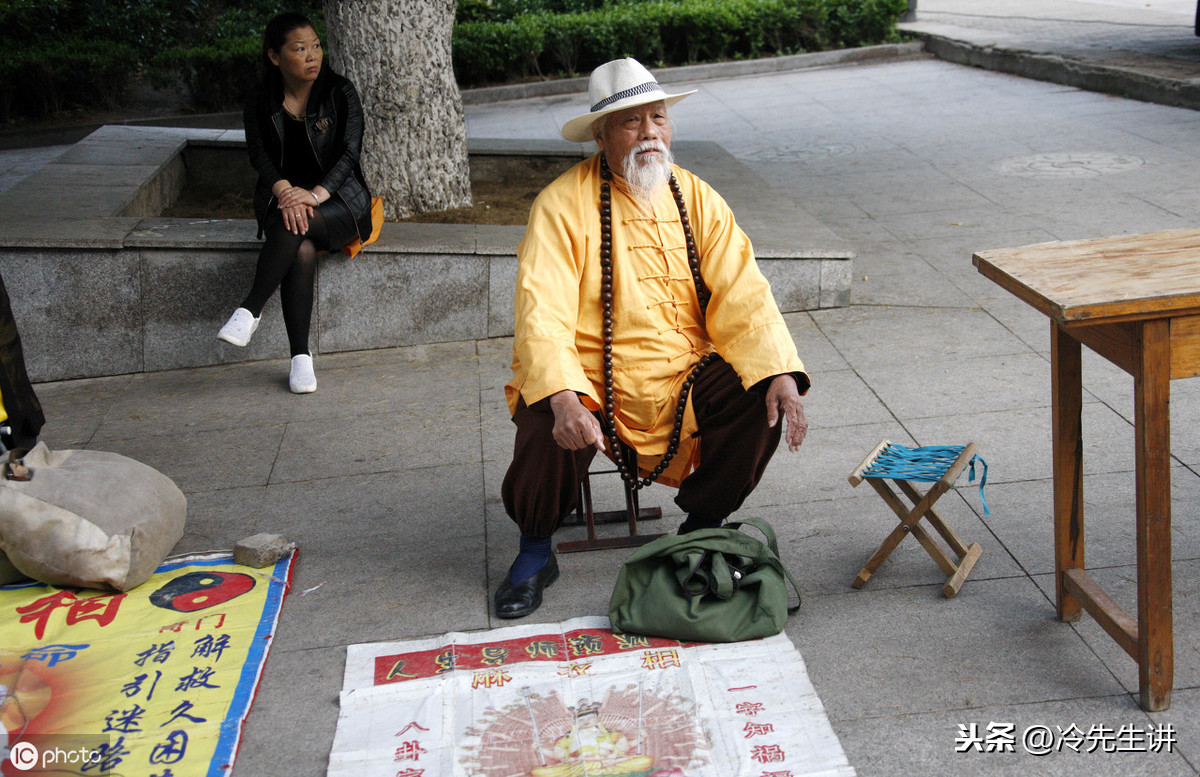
x: 647, y: 177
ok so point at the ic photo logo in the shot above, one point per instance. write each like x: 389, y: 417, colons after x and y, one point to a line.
x: 27, y: 756
x: 24, y: 756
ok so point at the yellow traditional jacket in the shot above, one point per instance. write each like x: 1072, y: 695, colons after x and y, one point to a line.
x: 659, y: 332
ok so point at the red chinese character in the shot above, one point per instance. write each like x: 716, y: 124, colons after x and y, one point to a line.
x: 766, y: 754
x: 94, y: 609
x: 758, y: 729
x: 409, y: 751
x: 410, y: 773
x: 777, y: 774
x: 40, y: 610
x: 220, y: 616
x: 101, y: 609
x: 749, y: 708
x: 415, y: 725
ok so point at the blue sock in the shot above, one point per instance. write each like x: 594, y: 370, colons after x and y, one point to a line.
x: 533, y: 556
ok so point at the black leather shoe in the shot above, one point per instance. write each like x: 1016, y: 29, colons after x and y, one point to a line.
x: 517, y: 601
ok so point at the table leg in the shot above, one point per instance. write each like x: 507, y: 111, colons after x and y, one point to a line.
x: 1066, y: 382
x: 1152, y: 424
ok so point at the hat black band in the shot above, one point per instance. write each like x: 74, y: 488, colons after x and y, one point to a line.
x: 649, y: 86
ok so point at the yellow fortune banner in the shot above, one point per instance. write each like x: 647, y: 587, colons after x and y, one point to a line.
x: 155, y: 681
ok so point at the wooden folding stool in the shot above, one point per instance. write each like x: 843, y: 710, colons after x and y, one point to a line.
x: 585, y: 515
x: 874, y: 471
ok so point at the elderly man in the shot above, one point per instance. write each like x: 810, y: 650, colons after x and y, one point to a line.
x: 644, y: 330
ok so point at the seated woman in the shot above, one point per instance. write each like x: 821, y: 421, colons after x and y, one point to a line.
x: 304, y: 130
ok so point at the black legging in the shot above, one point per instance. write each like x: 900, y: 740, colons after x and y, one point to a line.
x: 288, y: 262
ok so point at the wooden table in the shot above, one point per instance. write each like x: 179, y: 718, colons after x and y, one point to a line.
x: 1135, y: 300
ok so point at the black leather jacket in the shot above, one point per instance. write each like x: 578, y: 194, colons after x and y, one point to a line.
x: 334, y: 122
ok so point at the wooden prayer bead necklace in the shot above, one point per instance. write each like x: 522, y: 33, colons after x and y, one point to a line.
x: 627, y: 469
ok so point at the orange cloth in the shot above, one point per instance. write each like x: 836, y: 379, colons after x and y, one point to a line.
x: 659, y: 333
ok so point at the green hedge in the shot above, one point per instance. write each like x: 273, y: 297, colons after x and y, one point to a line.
x: 503, y: 10
x: 67, y: 73
x: 659, y: 33
x: 216, y: 77
x: 60, y: 54
x: 63, y: 54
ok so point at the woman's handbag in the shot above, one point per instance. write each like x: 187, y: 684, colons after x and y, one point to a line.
x: 710, y: 585
x: 352, y: 248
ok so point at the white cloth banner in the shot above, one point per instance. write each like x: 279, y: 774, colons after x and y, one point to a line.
x: 576, y: 700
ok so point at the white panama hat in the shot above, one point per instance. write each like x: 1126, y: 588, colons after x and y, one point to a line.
x: 615, y: 86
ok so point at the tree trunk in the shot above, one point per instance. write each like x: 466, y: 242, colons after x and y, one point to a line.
x: 397, y: 53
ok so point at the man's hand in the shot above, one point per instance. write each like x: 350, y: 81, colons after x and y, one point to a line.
x: 575, y: 428
x: 783, y: 398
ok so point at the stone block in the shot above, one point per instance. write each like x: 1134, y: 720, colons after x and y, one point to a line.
x: 79, y: 311
x: 836, y: 277
x: 66, y: 234
x: 502, y: 284
x: 148, y: 137
x: 795, y: 283
x: 199, y: 234
x: 157, y: 192
x: 262, y: 550
x: 133, y: 174
x: 498, y: 240
x: 424, y: 238
x: 112, y: 152
x: 187, y: 296
x: 542, y: 147
x: 383, y: 300
x: 47, y: 198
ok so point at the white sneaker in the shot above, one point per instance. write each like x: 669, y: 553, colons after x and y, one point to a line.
x: 239, y: 327
x: 302, y: 380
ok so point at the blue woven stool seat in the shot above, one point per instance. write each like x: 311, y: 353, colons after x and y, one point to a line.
x: 940, y: 465
x: 928, y: 464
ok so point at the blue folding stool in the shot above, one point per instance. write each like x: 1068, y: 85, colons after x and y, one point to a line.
x: 940, y: 465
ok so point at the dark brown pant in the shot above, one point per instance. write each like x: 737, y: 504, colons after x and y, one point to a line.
x: 542, y: 484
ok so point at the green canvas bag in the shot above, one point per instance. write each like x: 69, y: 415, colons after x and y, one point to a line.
x: 710, y: 585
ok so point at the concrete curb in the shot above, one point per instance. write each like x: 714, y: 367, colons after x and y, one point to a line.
x: 64, y: 136
x: 670, y: 75
x: 1069, y: 71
